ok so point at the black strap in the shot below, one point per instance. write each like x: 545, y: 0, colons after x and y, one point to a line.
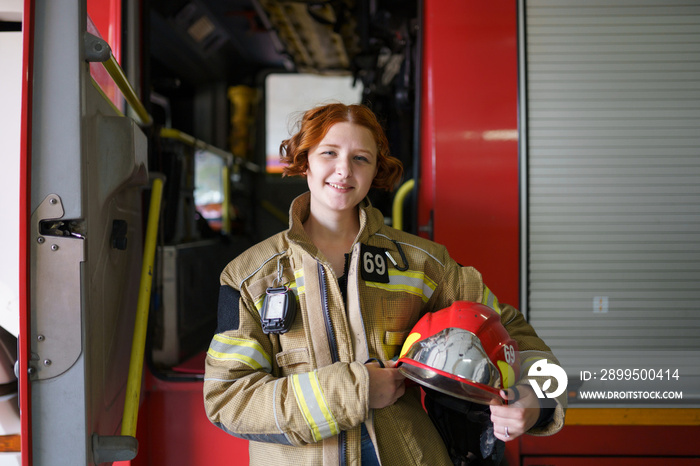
x: 465, y: 428
x: 381, y: 364
x: 228, y: 314
x: 403, y: 267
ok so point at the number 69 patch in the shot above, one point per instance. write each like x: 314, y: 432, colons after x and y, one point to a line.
x: 373, y: 263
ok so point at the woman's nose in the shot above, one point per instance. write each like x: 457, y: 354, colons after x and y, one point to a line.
x: 343, y: 167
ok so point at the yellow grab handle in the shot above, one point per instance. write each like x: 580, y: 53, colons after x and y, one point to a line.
x: 397, y: 208
x: 133, y: 383
x: 122, y: 82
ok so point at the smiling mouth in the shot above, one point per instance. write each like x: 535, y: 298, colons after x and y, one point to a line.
x: 342, y: 188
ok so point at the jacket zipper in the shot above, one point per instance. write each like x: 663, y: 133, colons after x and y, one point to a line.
x: 333, y: 344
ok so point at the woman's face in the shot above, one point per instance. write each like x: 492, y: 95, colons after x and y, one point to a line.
x: 341, y: 168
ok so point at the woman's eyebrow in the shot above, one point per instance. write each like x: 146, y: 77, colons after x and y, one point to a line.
x: 337, y: 146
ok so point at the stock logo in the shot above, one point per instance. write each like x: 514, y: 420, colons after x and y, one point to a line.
x: 544, y: 369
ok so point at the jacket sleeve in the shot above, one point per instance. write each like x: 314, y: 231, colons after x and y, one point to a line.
x: 244, y: 396
x: 465, y: 283
x: 532, y: 349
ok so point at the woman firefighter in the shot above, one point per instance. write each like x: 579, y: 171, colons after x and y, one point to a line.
x: 311, y: 318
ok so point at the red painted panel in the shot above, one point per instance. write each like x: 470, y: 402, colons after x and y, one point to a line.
x: 607, y: 461
x: 616, y: 440
x: 106, y: 15
x: 24, y: 216
x: 173, y: 429
x: 469, y: 136
x: 105, y: 21
x: 426, y: 182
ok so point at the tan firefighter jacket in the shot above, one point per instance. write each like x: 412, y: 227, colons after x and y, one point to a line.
x: 301, y: 396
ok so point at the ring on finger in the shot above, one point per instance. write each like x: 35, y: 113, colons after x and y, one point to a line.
x: 507, y: 435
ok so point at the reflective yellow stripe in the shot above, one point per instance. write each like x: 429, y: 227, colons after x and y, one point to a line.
x: 299, y: 281
x: 303, y: 406
x: 312, y: 404
x: 412, y: 282
x: 528, y: 362
x: 295, y: 288
x: 398, y: 288
x: 490, y: 300
x: 318, y: 395
x: 248, y: 352
x: 419, y: 275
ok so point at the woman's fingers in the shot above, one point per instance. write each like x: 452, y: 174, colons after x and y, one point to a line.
x: 386, y: 385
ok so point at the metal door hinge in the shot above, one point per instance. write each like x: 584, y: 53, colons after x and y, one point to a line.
x: 57, y: 251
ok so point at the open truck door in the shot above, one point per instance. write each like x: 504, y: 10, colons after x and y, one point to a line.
x: 84, y: 174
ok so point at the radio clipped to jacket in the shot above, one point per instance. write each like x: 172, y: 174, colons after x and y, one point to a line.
x: 279, y: 310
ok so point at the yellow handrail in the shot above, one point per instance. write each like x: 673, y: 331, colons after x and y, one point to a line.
x: 226, y: 204
x: 172, y: 133
x: 397, y: 208
x: 120, y: 79
x: 133, y: 383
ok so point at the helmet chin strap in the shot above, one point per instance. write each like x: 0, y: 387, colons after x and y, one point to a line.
x: 516, y: 398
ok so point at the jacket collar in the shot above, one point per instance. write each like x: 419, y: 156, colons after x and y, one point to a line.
x: 371, y: 220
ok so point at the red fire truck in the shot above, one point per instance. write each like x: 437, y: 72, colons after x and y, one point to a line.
x: 551, y: 144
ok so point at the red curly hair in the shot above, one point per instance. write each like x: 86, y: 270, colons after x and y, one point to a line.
x: 314, y: 125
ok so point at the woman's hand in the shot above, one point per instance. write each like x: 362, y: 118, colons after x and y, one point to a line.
x: 386, y: 384
x: 514, y: 419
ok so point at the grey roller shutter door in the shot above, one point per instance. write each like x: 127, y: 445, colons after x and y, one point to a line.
x: 611, y: 192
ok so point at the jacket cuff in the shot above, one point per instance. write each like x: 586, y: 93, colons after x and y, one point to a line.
x: 547, y: 409
x: 555, y: 424
x: 346, y: 386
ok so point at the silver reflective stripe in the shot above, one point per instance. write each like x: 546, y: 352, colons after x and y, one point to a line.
x: 299, y: 281
x: 215, y: 379
x: 240, y: 286
x: 416, y: 283
x: 313, y: 406
x: 267, y: 438
x: 274, y: 411
x: 490, y: 300
x: 248, y: 352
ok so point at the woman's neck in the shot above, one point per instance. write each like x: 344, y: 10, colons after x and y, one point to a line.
x: 333, y: 236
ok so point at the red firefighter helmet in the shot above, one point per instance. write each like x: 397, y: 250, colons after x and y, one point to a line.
x: 462, y: 351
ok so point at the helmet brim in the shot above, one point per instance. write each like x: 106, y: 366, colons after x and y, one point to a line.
x: 449, y: 384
